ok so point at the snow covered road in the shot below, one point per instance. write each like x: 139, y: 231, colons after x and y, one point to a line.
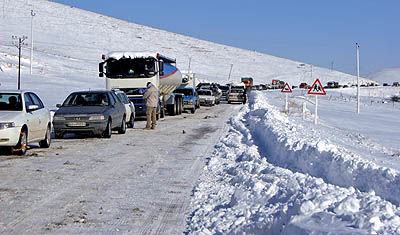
x: 140, y: 182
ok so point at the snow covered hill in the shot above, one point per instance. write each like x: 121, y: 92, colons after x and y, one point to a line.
x: 68, y: 43
x: 386, y: 76
x: 271, y: 172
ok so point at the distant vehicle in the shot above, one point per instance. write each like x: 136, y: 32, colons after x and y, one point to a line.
x: 218, y: 95
x: 129, y: 108
x: 294, y: 87
x: 332, y: 85
x: 304, y: 85
x: 237, y: 93
x: 191, y: 99
x: 396, y: 84
x: 95, y: 112
x: 225, y: 90
x: 248, y: 81
x: 23, y: 119
x: 214, y: 88
x: 385, y: 84
x: 206, y: 97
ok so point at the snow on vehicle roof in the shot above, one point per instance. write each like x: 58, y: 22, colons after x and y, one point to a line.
x: 237, y: 84
x: 145, y: 54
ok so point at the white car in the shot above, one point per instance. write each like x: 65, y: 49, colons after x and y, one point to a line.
x: 23, y: 119
x: 129, y: 108
x: 206, y: 97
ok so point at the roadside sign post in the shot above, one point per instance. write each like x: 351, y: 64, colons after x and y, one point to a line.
x: 286, y: 89
x: 316, y: 89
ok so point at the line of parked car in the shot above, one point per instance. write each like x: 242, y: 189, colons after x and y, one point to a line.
x: 213, y: 93
x: 24, y: 118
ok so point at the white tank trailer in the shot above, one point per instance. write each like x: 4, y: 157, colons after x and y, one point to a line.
x: 131, y: 71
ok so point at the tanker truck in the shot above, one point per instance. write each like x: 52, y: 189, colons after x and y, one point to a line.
x: 131, y: 71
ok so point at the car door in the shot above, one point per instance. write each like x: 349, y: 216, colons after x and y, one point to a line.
x: 42, y: 113
x: 32, y: 119
x: 119, y: 104
x: 116, y: 111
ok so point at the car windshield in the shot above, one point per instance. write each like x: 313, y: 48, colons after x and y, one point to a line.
x: 10, y: 102
x: 86, y: 99
x: 131, y: 68
x: 186, y: 92
x: 236, y: 91
x: 200, y: 92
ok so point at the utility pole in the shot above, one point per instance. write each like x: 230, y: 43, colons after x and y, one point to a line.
x: 31, y: 61
x: 230, y: 71
x: 332, y: 66
x: 190, y: 60
x: 311, y: 72
x: 4, y: 5
x: 358, y: 77
x: 18, y: 44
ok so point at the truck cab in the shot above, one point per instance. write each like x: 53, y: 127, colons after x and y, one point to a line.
x: 191, y: 99
x: 131, y: 71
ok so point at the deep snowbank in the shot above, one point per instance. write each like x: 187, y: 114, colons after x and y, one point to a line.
x: 246, y: 188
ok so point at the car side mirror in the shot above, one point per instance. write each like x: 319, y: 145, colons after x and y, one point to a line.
x: 32, y: 107
x: 58, y: 105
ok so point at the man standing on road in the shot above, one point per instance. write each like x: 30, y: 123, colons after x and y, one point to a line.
x: 151, y: 97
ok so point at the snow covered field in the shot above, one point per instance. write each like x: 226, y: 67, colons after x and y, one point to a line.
x: 266, y: 172
x: 274, y: 173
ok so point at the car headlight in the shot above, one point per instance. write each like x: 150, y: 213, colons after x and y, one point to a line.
x: 59, y: 118
x: 5, y: 125
x: 96, y: 117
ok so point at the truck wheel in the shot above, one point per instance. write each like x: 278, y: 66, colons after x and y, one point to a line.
x: 171, y: 109
x: 177, y: 111
x: 193, y: 110
x: 162, y: 115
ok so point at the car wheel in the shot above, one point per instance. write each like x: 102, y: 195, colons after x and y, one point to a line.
x: 107, y: 132
x: 21, y: 147
x: 45, y: 143
x: 122, y: 129
x: 131, y: 123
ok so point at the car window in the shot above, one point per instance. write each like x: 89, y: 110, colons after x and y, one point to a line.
x: 112, y: 98
x: 28, y: 101
x: 123, y: 98
x: 36, y: 100
x: 10, y: 102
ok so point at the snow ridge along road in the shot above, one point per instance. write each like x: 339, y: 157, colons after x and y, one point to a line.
x: 140, y: 182
x: 268, y: 176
